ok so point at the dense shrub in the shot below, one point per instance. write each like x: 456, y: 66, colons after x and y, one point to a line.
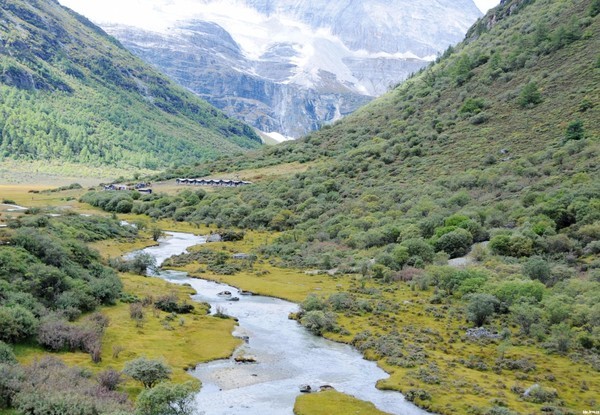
x: 16, y: 324
x: 59, y: 335
x: 456, y: 243
x: 481, y: 307
x: 109, y: 379
x: 6, y: 354
x: 312, y: 303
x: 530, y: 96
x: 413, y: 395
x: 341, y: 301
x: 540, y: 394
x: 167, y: 399
x: 11, y: 376
x: 511, y: 292
x: 49, y: 387
x: 511, y: 245
x: 526, y: 316
x: 418, y: 251
x: 141, y: 263
x: 537, y: 268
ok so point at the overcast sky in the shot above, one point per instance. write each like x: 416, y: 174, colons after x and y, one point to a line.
x: 485, y: 5
x: 130, y: 11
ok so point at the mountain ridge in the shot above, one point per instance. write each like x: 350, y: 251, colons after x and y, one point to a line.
x: 317, y: 67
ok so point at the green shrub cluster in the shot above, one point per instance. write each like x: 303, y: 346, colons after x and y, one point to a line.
x: 48, y: 269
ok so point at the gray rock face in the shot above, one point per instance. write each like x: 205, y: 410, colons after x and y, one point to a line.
x: 308, y: 63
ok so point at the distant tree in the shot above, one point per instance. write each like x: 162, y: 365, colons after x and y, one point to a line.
x: 157, y: 233
x: 530, y: 95
x: 141, y: 263
x: 147, y: 371
x: 574, y: 131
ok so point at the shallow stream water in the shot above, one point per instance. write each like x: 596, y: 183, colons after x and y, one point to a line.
x: 287, y: 355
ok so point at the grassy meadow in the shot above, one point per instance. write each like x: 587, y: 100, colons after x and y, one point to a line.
x: 333, y: 402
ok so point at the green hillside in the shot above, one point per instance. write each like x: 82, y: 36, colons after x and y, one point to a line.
x: 462, y: 137
x: 494, y: 148
x: 70, y: 92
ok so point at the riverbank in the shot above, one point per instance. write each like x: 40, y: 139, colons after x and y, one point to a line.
x: 182, y: 342
x: 333, y: 402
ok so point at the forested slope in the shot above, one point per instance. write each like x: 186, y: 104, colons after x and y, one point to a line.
x: 70, y: 92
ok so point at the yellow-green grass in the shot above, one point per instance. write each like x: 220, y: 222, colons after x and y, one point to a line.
x: 22, y: 194
x: 333, y: 403
x: 188, y: 340
x: 59, y: 173
x: 288, y: 284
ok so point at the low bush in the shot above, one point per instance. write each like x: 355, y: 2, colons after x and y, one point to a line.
x: 539, y: 394
x: 318, y: 321
x: 169, y: 303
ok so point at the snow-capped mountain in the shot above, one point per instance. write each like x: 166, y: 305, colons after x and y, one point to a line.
x: 289, y: 66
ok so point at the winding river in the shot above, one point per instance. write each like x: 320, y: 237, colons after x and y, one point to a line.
x: 286, y: 354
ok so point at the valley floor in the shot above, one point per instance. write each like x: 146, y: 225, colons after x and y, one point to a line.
x: 462, y: 374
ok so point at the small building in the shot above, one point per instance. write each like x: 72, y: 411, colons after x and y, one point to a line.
x: 211, y: 182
